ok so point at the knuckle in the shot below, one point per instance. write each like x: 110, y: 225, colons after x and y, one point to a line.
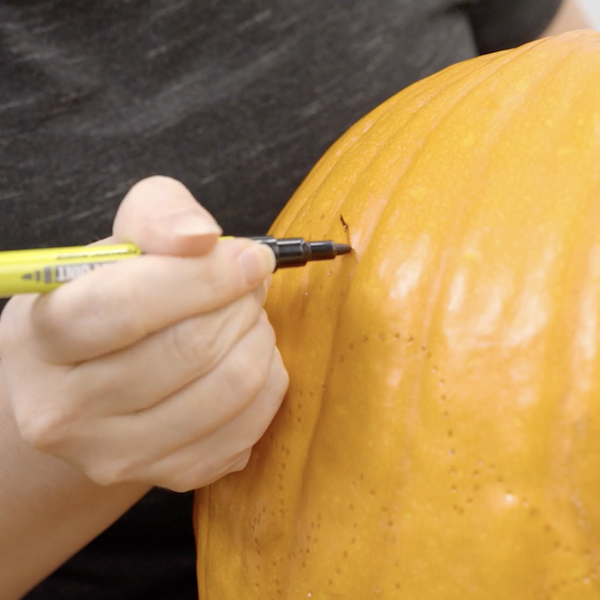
x: 106, y: 475
x: 205, y: 337
x: 249, y: 312
x: 269, y: 400
x: 181, y: 485
x: 251, y: 303
x: 199, y: 476
x: 279, y: 389
x: 251, y: 369
x: 260, y: 292
x: 44, y: 430
x: 193, y: 343
x: 184, y: 480
x: 119, y: 467
x: 280, y: 374
x: 266, y: 326
x: 240, y: 462
x: 251, y: 374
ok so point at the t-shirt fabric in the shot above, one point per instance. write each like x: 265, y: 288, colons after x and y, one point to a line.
x: 237, y: 100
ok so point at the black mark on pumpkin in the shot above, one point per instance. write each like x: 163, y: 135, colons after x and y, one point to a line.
x: 346, y: 229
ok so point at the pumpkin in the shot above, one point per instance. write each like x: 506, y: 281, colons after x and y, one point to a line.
x: 440, y: 439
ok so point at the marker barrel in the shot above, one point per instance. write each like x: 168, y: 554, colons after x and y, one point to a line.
x: 39, y: 271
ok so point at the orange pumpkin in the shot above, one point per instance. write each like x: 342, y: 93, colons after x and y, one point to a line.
x: 440, y: 439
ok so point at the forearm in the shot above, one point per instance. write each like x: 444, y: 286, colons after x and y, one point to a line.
x: 48, y: 509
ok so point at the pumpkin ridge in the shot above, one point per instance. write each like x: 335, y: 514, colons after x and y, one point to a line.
x: 414, y: 110
x: 568, y: 460
x: 396, y: 131
x: 446, y: 259
x: 412, y: 95
x: 302, y: 500
x: 433, y: 129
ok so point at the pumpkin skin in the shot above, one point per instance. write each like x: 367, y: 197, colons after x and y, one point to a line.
x: 440, y: 439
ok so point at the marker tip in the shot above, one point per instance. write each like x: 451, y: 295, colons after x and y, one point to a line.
x: 342, y: 249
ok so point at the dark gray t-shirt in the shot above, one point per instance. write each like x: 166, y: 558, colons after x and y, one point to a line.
x: 236, y: 99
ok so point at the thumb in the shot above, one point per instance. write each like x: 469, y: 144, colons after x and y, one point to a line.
x: 161, y: 216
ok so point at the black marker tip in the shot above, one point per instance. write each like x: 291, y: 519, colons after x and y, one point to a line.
x: 342, y: 249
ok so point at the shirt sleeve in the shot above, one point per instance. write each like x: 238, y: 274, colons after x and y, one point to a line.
x: 502, y: 24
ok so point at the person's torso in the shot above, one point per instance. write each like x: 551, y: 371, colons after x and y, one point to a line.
x: 237, y: 100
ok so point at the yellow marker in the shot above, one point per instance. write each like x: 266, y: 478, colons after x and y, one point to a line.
x: 42, y: 270
x: 38, y: 271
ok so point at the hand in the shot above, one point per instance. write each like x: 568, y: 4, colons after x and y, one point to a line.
x: 161, y: 369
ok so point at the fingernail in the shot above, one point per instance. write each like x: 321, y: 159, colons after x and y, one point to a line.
x: 193, y: 224
x: 258, y: 262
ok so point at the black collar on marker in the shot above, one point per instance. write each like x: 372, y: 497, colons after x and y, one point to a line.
x: 296, y: 252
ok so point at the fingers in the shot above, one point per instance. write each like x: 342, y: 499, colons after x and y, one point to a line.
x: 177, y: 355
x: 208, y: 458
x: 161, y: 216
x: 219, y: 417
x: 122, y: 304
x: 236, y: 381
x: 227, y: 450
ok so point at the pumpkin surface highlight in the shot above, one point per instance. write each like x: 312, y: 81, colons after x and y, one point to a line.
x: 440, y: 439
